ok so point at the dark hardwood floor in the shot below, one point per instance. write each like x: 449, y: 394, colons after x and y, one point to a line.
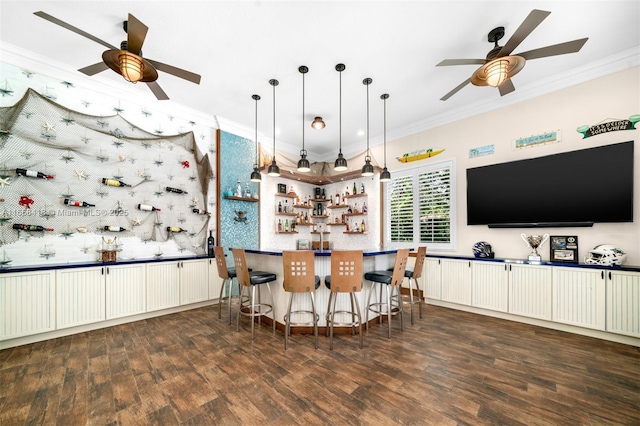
x: 450, y: 368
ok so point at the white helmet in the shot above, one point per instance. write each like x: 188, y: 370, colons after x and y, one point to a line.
x: 606, y: 254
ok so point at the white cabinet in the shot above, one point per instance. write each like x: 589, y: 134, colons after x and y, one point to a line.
x: 490, y: 288
x: 530, y: 291
x: 80, y: 296
x: 194, y: 281
x: 431, y: 281
x: 623, y: 302
x: 215, y: 282
x: 456, y: 281
x: 579, y: 297
x: 125, y: 290
x: 27, y: 303
x: 171, y: 284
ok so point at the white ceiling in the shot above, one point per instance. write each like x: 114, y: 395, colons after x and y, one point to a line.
x: 238, y: 46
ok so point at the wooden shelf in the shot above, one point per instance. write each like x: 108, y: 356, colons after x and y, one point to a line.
x: 302, y: 206
x: 288, y: 195
x: 355, y: 196
x: 286, y: 214
x: 317, y: 232
x: 304, y: 224
x: 336, y: 224
x: 354, y: 232
x: 355, y: 214
x: 249, y: 200
x: 320, y: 217
x: 319, y: 200
x: 286, y: 232
x: 339, y: 206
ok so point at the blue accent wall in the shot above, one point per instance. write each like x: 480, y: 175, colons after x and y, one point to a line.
x: 237, y: 157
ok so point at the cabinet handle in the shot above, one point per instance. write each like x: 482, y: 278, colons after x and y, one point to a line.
x: 609, y: 275
x: 102, y: 271
x: 469, y: 264
x: 509, y: 268
x: 602, y: 275
x: 107, y: 270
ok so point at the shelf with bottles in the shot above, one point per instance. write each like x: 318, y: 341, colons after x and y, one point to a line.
x: 302, y: 206
x: 358, y: 195
x: 336, y: 224
x: 356, y: 232
x: 286, y: 232
x: 318, y: 232
x: 356, y: 214
x: 338, y: 206
x: 287, y: 195
x: 324, y: 216
x: 233, y: 197
x: 286, y: 214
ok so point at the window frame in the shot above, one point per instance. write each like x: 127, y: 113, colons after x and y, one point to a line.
x: 415, y: 173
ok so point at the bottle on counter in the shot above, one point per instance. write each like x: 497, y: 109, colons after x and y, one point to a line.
x: 113, y: 182
x: 364, y: 207
x: 32, y: 173
x: 337, y: 201
x: 147, y: 208
x: 175, y: 190
x: 75, y: 203
x: 37, y: 228
x: 211, y: 242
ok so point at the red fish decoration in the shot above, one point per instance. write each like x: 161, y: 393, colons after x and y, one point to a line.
x: 25, y: 201
x: 185, y: 164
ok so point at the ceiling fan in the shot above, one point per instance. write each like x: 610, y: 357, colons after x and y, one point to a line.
x: 128, y: 61
x: 499, y: 66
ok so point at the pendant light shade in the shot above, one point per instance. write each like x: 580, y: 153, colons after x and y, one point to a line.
x: 341, y: 163
x: 385, y: 176
x: 367, y: 169
x: 303, y: 163
x: 255, y: 175
x: 274, y: 170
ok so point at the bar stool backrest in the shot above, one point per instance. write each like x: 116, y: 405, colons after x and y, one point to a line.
x: 221, y: 262
x: 419, y: 265
x: 400, y: 265
x: 299, y: 271
x: 242, y: 271
x: 346, y: 271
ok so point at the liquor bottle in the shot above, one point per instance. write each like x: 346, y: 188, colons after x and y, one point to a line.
x: 355, y: 189
x: 175, y: 229
x: 238, y: 189
x: 323, y: 194
x: 76, y: 203
x: 364, y: 207
x: 31, y: 173
x: 279, y: 206
x: 211, y: 242
x: 362, y: 188
x: 113, y: 182
x: 346, y: 191
x: 279, y: 225
x: 114, y: 228
x: 199, y: 211
x: 247, y: 191
x: 362, y: 226
x: 30, y: 227
x: 286, y: 225
x: 286, y: 206
x: 147, y: 208
x: 306, y: 217
x: 176, y: 190
x: 337, y: 199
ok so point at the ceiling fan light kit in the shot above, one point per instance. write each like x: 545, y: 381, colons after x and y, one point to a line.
x: 496, y: 72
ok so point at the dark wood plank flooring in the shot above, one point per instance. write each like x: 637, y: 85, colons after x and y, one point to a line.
x: 450, y: 368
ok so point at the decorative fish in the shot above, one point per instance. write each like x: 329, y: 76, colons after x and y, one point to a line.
x: 185, y: 164
x: 25, y: 201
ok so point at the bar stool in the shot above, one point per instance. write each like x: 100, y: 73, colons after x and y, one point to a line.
x: 248, y: 282
x: 346, y: 277
x: 300, y: 279
x: 227, y: 274
x: 413, y: 274
x: 393, y: 281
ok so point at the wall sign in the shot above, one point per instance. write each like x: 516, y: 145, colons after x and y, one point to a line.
x: 420, y: 154
x: 608, y: 126
x: 481, y: 151
x: 536, y: 140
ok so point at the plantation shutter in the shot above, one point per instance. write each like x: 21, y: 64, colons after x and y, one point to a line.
x: 401, y: 209
x: 435, y: 206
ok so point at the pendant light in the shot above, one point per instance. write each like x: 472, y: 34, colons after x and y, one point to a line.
x: 303, y: 163
x: 255, y: 175
x: 385, y: 176
x: 367, y: 169
x: 341, y: 162
x: 274, y: 170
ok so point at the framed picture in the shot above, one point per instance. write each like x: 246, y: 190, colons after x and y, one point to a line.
x: 564, y: 248
x: 282, y: 188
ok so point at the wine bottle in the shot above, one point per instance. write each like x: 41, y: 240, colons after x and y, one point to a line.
x: 75, y: 203
x: 362, y: 188
x: 355, y: 189
x: 200, y: 211
x: 323, y: 194
x: 279, y: 225
x: 362, y: 226
x: 286, y: 225
x: 175, y: 229
x: 211, y: 242
x: 113, y: 182
x: 32, y: 173
x: 114, y: 228
x: 176, y: 190
x: 279, y: 206
x: 30, y: 227
x: 147, y: 208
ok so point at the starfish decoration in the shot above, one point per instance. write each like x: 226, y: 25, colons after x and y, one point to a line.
x: 85, y: 139
x: 86, y: 103
x: 158, y: 162
x: 26, y: 154
x: 27, y: 73
x: 103, y: 123
x: 161, y: 144
x: 117, y: 143
x: 67, y: 157
x: 67, y: 84
x: 80, y: 174
x: 136, y: 221
x: 145, y: 113
x: 5, y: 181
x: 140, y: 173
x: 102, y: 157
x: 68, y: 120
x: 146, y: 145
x: 158, y: 132
x: 102, y: 193
x: 47, y: 136
x: 192, y: 178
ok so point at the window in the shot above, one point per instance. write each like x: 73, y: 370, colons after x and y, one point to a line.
x: 420, y: 207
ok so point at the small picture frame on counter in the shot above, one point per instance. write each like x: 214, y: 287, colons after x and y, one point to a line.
x: 564, y: 248
x: 282, y: 188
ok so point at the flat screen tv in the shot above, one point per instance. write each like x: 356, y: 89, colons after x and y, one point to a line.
x: 575, y: 188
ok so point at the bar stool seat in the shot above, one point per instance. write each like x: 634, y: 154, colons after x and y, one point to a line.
x: 300, y: 280
x: 249, y: 281
x: 392, y: 280
x: 413, y: 274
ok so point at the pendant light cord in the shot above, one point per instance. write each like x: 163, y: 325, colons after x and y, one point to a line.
x: 274, y: 122
x: 340, y: 115
x: 303, y: 112
x: 256, y: 139
x: 384, y: 98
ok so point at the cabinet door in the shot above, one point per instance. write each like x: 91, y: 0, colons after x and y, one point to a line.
x: 456, y: 281
x: 194, y: 281
x: 490, y: 286
x: 623, y: 303
x: 430, y: 281
x: 579, y: 297
x: 125, y: 290
x: 27, y: 304
x: 163, y: 286
x: 80, y: 296
x: 530, y: 291
x: 215, y: 282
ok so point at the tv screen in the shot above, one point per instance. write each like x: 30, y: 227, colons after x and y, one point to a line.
x: 575, y: 188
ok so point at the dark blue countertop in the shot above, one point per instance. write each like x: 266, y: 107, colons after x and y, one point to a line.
x: 324, y: 253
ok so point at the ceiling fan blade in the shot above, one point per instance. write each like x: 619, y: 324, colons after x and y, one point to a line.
x: 506, y: 87
x: 456, y: 89
x: 450, y: 62
x: 94, y: 69
x: 554, y: 50
x: 157, y: 90
x: 530, y: 23
x: 136, y: 33
x: 178, y: 72
x: 63, y: 24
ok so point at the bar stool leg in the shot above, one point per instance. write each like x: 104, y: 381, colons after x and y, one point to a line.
x: 401, y: 307
x: 253, y: 304
x: 328, y: 316
x: 287, y: 322
x: 411, y: 302
x: 389, y: 290
x: 355, y: 302
x: 419, y: 297
x: 333, y: 315
x: 368, y: 307
x: 273, y: 307
x: 315, y: 318
x: 220, y: 301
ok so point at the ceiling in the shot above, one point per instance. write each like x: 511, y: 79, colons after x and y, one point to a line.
x: 238, y: 46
